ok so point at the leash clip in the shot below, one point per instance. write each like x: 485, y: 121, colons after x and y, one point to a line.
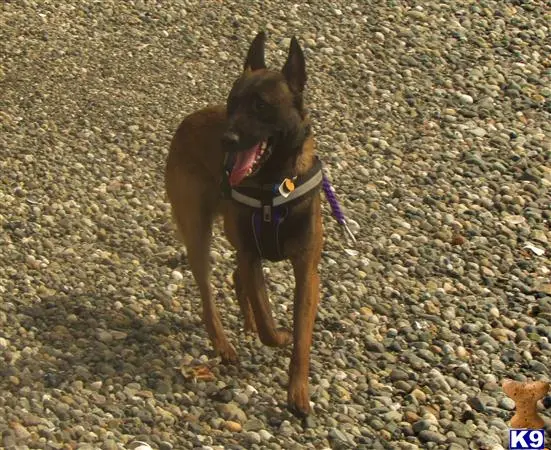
x: 349, y: 233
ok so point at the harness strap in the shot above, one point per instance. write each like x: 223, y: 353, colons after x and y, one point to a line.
x: 267, y: 235
x: 270, y: 205
x: 278, y: 200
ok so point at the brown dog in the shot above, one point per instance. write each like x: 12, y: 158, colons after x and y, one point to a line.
x: 252, y: 162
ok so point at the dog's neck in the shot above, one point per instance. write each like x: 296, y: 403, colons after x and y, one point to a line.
x: 305, y: 158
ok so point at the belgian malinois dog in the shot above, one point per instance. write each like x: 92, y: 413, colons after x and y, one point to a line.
x: 261, y: 137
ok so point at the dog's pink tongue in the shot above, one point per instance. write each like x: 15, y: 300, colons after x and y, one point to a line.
x: 243, y: 162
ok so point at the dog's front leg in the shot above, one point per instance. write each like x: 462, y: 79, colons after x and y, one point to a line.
x: 250, y: 272
x: 197, y: 238
x: 304, y: 314
x: 307, y: 285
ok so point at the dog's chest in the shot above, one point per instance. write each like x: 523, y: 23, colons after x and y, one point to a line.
x: 267, y: 231
x: 273, y: 216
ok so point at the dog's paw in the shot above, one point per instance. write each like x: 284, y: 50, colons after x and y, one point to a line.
x: 249, y: 327
x: 298, y: 399
x: 275, y: 338
x: 228, y: 355
x: 285, y: 337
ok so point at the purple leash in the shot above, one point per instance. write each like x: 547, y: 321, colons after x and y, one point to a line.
x: 335, y: 207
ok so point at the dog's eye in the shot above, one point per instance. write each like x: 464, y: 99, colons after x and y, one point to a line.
x: 259, y: 104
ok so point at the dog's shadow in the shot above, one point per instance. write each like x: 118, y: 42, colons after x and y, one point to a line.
x: 79, y: 340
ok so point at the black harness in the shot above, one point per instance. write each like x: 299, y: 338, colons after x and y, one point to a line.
x: 270, y: 205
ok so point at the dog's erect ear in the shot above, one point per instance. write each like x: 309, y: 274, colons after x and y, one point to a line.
x: 255, y: 56
x: 295, y: 67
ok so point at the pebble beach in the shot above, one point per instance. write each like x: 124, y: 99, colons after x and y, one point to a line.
x: 433, y: 122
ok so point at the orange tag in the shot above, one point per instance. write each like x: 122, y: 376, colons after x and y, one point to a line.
x: 289, y: 185
x: 286, y: 187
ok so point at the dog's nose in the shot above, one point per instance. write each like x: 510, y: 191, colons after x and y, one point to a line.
x: 230, y: 139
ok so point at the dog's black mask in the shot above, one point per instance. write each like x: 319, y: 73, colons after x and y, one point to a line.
x: 265, y: 113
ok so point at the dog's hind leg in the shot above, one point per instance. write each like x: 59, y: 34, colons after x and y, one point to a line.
x: 194, y: 217
x: 244, y: 304
x: 250, y: 271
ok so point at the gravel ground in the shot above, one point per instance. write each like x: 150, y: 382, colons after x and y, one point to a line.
x: 434, y: 124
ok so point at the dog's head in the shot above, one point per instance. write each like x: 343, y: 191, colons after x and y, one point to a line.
x: 266, y: 117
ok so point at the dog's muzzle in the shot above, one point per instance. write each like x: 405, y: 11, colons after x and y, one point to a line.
x: 231, y: 141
